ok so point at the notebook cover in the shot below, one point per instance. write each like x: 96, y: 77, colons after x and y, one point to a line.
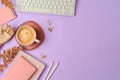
x: 40, y: 66
x: 21, y: 70
x: 6, y: 15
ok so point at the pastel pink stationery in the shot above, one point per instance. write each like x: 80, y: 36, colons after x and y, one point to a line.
x: 6, y: 15
x: 40, y: 66
x: 21, y: 70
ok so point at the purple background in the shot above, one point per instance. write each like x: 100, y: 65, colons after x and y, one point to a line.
x: 87, y: 45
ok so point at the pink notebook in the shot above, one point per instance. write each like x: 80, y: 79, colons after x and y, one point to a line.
x: 6, y: 15
x: 21, y: 70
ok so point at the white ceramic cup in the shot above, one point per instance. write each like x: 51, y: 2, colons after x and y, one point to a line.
x: 26, y: 35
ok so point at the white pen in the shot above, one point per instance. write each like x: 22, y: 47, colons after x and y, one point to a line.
x: 48, y: 71
x: 53, y: 70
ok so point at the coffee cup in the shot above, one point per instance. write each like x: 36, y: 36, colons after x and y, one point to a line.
x: 26, y: 35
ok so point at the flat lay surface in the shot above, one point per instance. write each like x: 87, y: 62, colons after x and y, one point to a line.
x: 86, y: 45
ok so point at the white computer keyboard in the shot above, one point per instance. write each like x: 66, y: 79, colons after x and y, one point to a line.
x: 59, y: 7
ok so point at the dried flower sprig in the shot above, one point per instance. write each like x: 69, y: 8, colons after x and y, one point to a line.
x: 7, y: 56
x: 49, y: 24
x: 8, y: 3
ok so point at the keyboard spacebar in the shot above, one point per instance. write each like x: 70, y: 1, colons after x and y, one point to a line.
x: 41, y: 10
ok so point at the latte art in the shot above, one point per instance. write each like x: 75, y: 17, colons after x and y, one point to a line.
x: 26, y: 35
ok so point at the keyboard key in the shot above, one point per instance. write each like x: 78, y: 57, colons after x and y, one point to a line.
x: 44, y: 10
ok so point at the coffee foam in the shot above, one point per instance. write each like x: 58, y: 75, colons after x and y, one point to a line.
x: 26, y: 35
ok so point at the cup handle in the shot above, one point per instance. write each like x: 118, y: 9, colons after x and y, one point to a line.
x: 37, y: 41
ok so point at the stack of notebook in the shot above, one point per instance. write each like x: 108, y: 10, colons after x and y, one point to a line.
x: 24, y: 67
